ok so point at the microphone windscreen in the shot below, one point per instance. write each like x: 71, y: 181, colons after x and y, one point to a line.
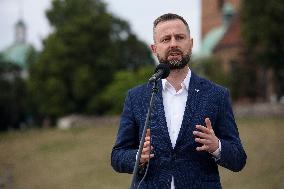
x: 165, y: 68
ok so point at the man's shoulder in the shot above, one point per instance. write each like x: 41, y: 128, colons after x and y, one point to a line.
x: 209, y: 85
x: 138, y: 89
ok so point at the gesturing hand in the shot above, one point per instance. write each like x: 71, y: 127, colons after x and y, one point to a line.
x: 206, y: 136
x: 146, y: 149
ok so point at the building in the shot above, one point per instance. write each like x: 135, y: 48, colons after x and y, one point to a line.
x: 18, y: 52
x: 221, y: 31
x: 221, y: 38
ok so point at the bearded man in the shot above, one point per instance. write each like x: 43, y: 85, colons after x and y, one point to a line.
x: 192, y: 128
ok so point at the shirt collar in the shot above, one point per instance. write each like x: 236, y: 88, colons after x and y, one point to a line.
x: 184, y: 83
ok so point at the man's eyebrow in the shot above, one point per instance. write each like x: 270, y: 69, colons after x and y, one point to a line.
x: 174, y: 34
x: 180, y: 34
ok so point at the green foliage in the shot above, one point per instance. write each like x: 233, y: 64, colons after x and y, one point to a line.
x: 243, y: 77
x: 211, y: 68
x: 262, y: 31
x: 238, y: 79
x: 79, y: 59
x: 115, y: 93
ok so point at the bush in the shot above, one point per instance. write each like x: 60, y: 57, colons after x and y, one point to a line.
x: 211, y: 69
x: 116, y: 92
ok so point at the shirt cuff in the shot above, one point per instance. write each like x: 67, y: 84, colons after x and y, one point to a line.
x: 217, y: 153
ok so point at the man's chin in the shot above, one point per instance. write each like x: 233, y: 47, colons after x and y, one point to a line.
x: 174, y: 60
x: 177, y: 65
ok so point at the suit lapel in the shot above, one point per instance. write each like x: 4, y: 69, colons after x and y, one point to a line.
x: 194, y: 93
x: 158, y: 118
x: 159, y: 114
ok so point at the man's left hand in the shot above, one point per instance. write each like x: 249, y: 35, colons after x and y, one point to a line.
x: 206, y: 136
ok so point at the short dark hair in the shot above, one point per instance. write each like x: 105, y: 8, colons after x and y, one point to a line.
x: 167, y: 17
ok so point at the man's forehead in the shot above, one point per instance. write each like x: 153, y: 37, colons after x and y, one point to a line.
x: 171, y: 26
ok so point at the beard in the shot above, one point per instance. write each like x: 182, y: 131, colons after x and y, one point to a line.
x: 175, y: 64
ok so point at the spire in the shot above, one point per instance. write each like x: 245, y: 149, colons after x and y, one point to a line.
x: 20, y: 9
x: 20, y: 32
x: 228, y: 13
x: 20, y: 26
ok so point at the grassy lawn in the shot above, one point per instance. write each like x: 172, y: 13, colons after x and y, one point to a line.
x: 80, y: 158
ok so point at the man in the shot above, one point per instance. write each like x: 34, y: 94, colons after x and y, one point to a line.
x: 192, y: 127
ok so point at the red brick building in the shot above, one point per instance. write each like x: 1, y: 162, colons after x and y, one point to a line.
x: 221, y: 38
x: 221, y: 31
x: 212, y: 13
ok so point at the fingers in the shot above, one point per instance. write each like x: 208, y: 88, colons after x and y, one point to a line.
x: 208, y: 129
x: 208, y: 123
x: 203, y: 129
x: 146, y: 154
x: 206, y: 136
x: 202, y: 141
x: 146, y: 157
x: 146, y: 144
x: 146, y: 148
x: 147, y: 138
x: 201, y: 134
x: 203, y: 148
x: 148, y: 133
x: 146, y: 151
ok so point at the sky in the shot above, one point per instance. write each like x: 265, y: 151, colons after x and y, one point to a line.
x: 139, y: 14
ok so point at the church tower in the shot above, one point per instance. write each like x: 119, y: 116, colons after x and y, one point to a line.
x: 20, y: 32
x: 212, y: 14
x: 18, y: 52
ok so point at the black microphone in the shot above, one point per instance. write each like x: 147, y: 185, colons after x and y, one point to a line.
x: 162, y: 71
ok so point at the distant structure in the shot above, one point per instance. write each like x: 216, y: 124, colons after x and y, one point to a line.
x: 220, y: 30
x: 221, y: 38
x: 212, y: 13
x: 19, y: 50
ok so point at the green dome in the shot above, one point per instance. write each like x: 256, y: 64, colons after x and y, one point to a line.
x: 215, y: 35
x: 18, y: 54
x: 228, y: 9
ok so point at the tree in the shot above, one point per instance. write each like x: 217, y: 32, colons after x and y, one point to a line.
x: 115, y: 93
x: 79, y: 59
x: 263, y: 35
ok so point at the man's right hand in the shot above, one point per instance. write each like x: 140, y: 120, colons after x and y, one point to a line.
x: 146, y: 149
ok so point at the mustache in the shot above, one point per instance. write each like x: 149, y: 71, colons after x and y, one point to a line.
x: 174, y: 50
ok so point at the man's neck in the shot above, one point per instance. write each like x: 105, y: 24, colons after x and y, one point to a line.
x: 176, y: 77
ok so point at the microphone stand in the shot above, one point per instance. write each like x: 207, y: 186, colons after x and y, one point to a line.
x: 136, y: 167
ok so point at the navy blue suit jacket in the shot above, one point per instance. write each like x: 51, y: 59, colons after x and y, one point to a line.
x: 190, y: 168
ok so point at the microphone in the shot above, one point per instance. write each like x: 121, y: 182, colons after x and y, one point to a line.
x: 162, y: 71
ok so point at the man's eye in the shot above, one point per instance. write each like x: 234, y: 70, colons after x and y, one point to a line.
x: 179, y: 37
x: 165, y: 40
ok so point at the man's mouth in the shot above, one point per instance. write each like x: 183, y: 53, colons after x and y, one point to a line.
x: 174, y: 55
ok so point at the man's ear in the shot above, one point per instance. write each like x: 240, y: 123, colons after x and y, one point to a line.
x: 154, y: 48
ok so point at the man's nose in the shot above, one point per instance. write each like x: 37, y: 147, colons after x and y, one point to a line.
x: 173, y: 43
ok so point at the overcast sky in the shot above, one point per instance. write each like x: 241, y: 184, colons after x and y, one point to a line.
x: 140, y: 15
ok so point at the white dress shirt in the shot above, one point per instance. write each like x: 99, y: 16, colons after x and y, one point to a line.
x: 174, y: 106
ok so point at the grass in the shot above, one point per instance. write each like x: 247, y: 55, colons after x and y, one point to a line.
x: 263, y: 141
x: 80, y: 158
